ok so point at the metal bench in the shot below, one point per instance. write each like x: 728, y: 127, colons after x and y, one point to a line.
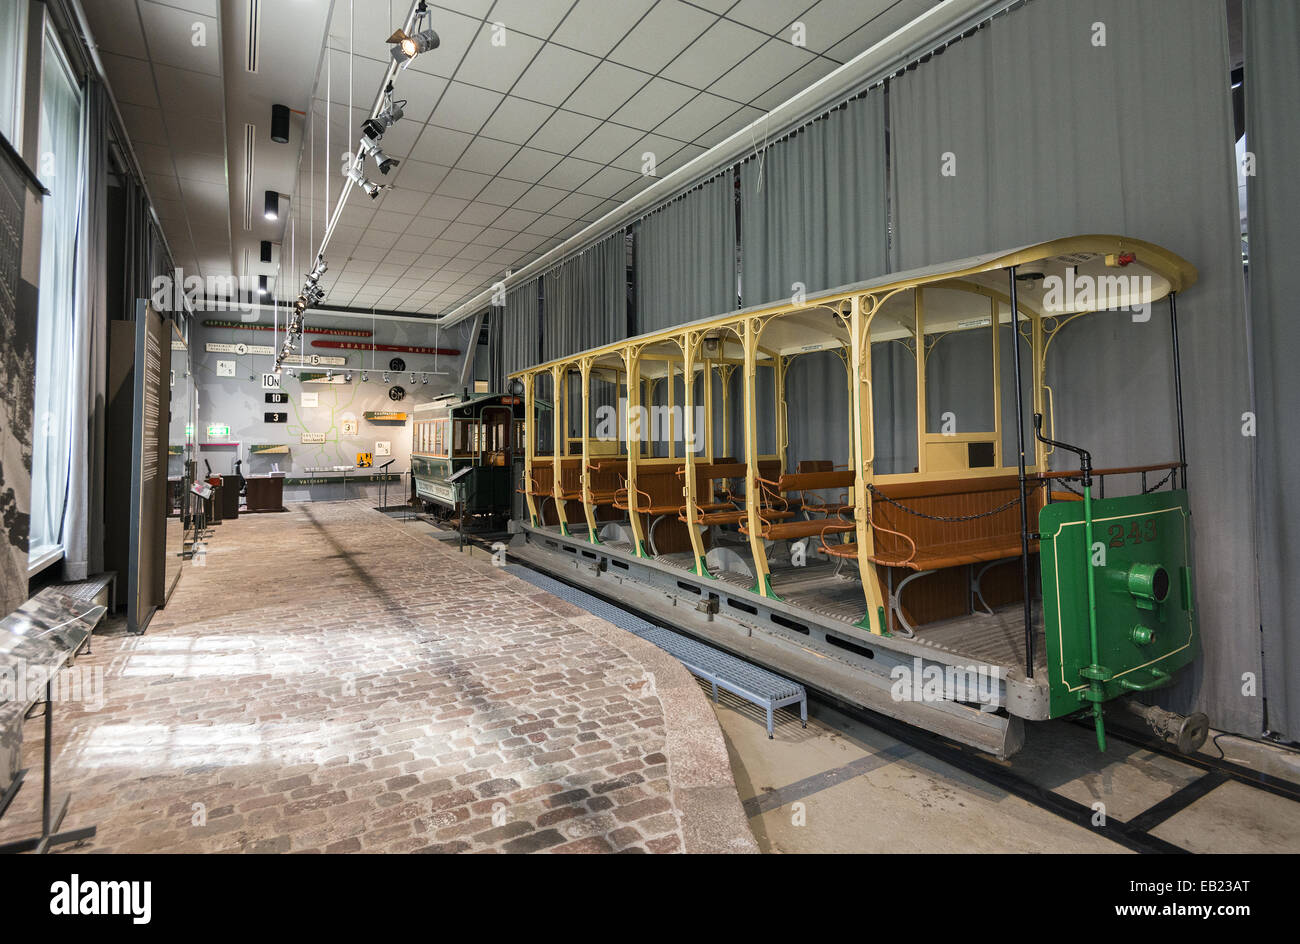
x: 721, y: 670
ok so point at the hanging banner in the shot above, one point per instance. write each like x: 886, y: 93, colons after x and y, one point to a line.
x: 258, y: 326
x: 213, y: 347
x: 398, y: 348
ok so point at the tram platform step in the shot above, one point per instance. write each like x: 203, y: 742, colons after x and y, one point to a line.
x: 721, y: 670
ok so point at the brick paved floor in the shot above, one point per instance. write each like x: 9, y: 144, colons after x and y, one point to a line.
x: 331, y: 681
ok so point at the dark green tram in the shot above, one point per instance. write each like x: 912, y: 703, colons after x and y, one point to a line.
x: 463, y: 455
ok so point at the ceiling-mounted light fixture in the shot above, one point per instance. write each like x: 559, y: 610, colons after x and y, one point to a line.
x: 386, y: 379
x: 280, y: 124
x: 406, y: 46
x: 272, y: 207
x: 266, y: 250
x: 365, y: 378
x: 262, y: 288
x: 426, y: 377
x: 371, y: 188
x: 412, y: 378
x: 374, y: 128
x: 382, y: 160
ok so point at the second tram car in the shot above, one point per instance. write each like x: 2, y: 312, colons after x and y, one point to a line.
x: 463, y: 455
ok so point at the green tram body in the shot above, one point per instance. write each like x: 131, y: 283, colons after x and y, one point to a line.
x: 463, y: 454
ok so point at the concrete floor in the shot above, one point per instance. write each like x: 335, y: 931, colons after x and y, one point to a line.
x: 841, y: 786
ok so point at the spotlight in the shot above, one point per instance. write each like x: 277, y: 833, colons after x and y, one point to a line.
x: 365, y: 378
x: 426, y: 377
x: 348, y: 376
x: 374, y: 128
x: 386, y: 379
x: 382, y: 160
x: 280, y: 124
x: 407, y: 47
x: 371, y: 188
x: 412, y: 378
x: 289, y: 371
x: 266, y: 250
x: 272, y: 209
x: 262, y: 288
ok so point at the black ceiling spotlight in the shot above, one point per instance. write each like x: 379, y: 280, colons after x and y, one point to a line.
x: 266, y: 250
x: 280, y: 124
x: 262, y: 287
x: 406, y: 46
x: 391, y: 113
x: 272, y: 207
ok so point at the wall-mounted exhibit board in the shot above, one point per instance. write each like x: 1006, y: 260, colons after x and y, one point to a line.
x: 313, y: 422
x: 20, y: 218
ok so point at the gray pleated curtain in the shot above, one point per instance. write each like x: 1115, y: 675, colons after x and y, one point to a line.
x: 586, y: 299
x: 812, y: 207
x: 1052, y: 136
x: 1272, y: 87
x: 686, y: 258
x: 83, y: 515
x: 521, y: 328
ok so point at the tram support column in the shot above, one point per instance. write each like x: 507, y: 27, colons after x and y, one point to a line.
x: 584, y: 475
x: 762, y: 577
x: 632, y: 364
x: 690, y: 342
x: 559, y: 388
x: 1020, y: 470
x: 530, y: 443
x: 863, y: 454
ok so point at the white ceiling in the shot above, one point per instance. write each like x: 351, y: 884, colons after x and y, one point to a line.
x: 505, y: 150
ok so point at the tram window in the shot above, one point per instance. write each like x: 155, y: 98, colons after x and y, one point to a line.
x: 603, y: 418
x: 495, y: 430
x: 573, y: 396
x: 441, y: 437
x: 543, y: 419
x: 765, y: 415
x: 893, y: 389
x: 958, y: 362
x: 1008, y: 372
x: 468, y: 438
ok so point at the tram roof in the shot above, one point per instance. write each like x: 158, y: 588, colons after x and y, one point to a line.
x: 1099, y: 281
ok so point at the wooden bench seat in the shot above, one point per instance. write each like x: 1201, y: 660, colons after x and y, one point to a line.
x: 796, y: 530
x: 960, y: 553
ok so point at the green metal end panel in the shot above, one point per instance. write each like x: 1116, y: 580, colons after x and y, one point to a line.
x: 1146, y: 621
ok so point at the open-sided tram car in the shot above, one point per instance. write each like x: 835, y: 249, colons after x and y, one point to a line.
x: 900, y: 573
x: 464, y: 453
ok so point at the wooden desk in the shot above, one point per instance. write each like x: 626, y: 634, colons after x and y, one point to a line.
x: 265, y: 493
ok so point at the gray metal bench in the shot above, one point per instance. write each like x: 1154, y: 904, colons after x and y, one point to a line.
x: 721, y: 670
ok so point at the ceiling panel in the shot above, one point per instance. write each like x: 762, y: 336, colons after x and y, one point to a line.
x: 505, y: 148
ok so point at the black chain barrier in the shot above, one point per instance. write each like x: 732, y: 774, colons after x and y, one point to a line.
x: 949, y: 519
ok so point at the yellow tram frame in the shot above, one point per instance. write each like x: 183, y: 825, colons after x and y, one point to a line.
x: 773, y: 335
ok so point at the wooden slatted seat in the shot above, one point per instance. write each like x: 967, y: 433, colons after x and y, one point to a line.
x: 960, y: 553
x: 815, y: 504
x: 776, y: 508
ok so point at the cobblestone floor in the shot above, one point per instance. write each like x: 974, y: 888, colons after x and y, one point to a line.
x: 329, y: 681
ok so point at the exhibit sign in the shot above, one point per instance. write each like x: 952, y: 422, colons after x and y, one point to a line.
x: 312, y: 438
x: 213, y: 347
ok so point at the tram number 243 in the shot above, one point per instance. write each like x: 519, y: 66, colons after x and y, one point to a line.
x: 1137, y: 532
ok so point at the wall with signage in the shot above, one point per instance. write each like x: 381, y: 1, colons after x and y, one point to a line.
x: 327, y: 415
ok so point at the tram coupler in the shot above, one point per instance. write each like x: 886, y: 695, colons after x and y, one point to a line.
x: 1186, y: 732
